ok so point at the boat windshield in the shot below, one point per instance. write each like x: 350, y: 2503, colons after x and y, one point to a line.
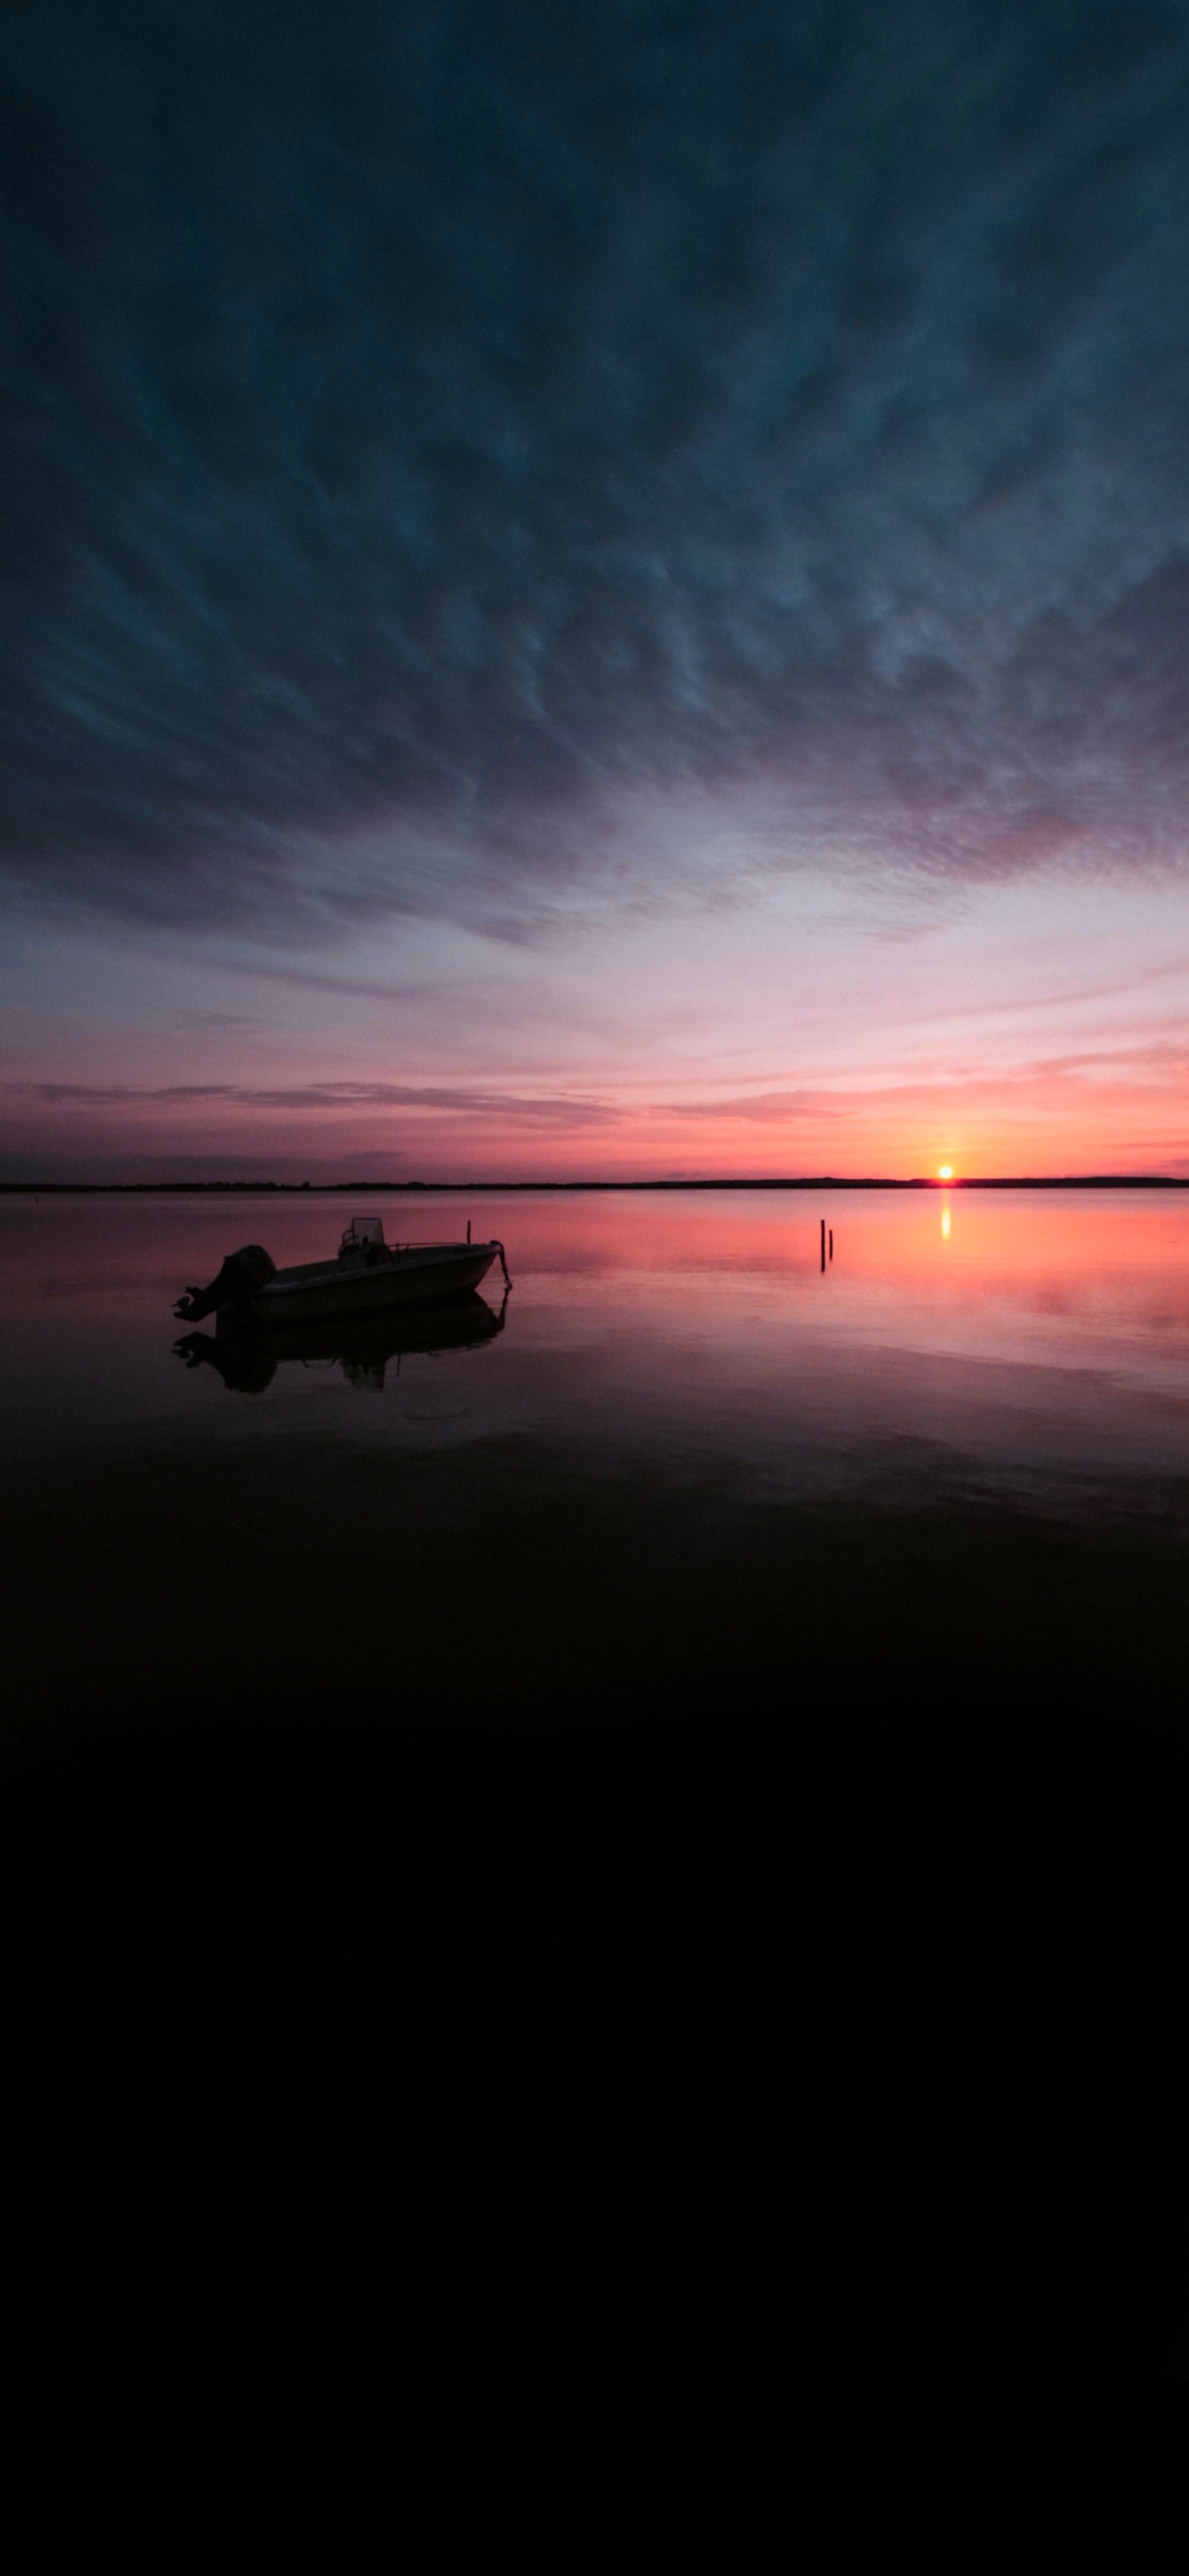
x: 362, y: 1230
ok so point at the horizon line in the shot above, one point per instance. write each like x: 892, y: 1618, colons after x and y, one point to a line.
x: 762, y: 1181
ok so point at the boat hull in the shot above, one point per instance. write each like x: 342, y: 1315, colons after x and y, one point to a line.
x: 412, y: 1279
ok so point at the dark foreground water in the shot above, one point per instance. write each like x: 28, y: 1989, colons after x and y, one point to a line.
x: 705, y: 1737
x: 957, y: 1459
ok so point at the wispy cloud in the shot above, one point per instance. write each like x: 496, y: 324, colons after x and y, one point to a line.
x: 441, y: 439
x: 509, y: 1109
x: 1111, y: 1069
x: 770, y: 1108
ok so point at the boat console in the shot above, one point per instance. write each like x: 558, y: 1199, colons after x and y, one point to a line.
x: 363, y: 1244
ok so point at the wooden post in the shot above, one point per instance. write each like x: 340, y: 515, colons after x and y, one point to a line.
x: 823, y: 1243
x: 831, y: 1243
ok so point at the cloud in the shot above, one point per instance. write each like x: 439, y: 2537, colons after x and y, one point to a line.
x: 773, y: 1108
x: 508, y: 1108
x: 1114, y: 1069
x: 211, y: 1022
x: 441, y: 439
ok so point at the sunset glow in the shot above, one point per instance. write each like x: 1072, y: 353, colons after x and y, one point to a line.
x: 673, y: 666
x: 594, y: 654
x: 769, y: 1036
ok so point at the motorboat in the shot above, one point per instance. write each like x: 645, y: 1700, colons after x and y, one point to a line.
x: 365, y: 1277
x: 247, y: 1354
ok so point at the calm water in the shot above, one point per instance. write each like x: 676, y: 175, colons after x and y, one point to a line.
x: 1010, y: 1328
x: 680, y: 1445
x: 765, y: 1556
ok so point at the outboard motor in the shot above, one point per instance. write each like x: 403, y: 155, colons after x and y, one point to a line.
x: 242, y: 1274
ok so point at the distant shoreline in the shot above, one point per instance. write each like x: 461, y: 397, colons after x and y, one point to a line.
x: 480, y: 1189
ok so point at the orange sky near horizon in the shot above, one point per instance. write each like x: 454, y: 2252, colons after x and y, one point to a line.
x: 1037, y: 1027
x: 1054, y: 1125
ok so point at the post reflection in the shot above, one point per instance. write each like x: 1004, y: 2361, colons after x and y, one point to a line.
x: 705, y: 1305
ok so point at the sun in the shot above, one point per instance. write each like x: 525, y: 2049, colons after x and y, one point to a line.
x: 946, y: 1172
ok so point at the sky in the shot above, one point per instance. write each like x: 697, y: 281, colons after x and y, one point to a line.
x: 593, y: 592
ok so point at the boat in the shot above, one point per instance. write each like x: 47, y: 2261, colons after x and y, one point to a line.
x: 247, y: 1354
x: 367, y: 1276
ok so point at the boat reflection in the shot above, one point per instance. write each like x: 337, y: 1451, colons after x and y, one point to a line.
x: 247, y: 1355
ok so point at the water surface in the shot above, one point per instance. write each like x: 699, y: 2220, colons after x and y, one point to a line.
x: 1004, y: 1324
x: 674, y: 1376
x: 706, y: 1714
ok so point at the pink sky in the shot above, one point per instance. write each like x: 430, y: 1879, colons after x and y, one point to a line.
x: 1031, y: 1027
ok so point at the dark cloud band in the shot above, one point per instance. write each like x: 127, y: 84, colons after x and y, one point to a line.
x: 430, y: 428
x: 512, y: 1109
